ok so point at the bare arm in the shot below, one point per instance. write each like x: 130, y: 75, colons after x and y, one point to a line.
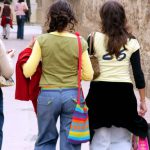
x: 143, y: 107
x: 142, y: 94
x: 11, y: 15
x: 6, y: 68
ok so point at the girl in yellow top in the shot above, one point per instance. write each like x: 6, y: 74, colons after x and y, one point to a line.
x: 58, y: 51
x: 111, y: 100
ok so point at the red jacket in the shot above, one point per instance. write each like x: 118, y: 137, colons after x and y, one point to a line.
x: 27, y: 88
x: 4, y: 21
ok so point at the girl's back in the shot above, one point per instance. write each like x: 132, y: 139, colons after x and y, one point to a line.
x: 6, y: 10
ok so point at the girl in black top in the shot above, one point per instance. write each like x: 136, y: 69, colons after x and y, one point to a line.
x: 111, y: 100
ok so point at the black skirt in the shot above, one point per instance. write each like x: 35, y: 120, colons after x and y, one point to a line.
x: 114, y: 103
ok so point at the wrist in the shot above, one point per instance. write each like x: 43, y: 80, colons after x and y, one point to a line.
x: 142, y: 100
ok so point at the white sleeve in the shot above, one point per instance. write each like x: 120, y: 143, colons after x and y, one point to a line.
x: 133, y: 45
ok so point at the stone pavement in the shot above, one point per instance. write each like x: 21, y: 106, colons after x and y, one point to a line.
x: 20, y: 128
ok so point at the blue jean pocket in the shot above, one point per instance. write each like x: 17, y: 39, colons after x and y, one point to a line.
x: 42, y: 100
x: 82, y: 100
x: 44, y: 107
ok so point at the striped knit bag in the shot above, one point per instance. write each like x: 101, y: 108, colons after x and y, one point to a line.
x: 79, y: 129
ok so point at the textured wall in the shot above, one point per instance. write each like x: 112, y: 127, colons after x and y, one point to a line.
x: 138, y: 14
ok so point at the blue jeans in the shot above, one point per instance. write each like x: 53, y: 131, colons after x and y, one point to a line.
x: 1, y: 118
x: 51, y: 105
x: 20, y: 24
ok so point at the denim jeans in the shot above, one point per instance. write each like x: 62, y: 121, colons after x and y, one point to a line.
x: 1, y: 118
x: 52, y: 104
x: 20, y: 24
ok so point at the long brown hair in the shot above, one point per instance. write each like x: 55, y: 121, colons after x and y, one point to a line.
x: 60, y: 14
x: 114, y: 22
x: 6, y: 11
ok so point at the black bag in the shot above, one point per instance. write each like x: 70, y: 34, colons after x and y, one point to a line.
x: 93, y: 57
x: 8, y: 20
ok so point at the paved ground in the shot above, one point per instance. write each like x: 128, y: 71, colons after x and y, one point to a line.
x: 20, y: 128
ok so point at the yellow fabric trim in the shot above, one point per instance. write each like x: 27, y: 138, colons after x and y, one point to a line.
x: 87, y: 70
x: 29, y: 68
x: 67, y: 34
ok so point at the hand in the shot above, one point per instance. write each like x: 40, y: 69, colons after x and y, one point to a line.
x: 30, y: 45
x: 11, y: 53
x: 143, y: 108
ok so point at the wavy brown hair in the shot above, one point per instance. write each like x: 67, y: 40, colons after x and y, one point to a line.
x: 6, y: 9
x: 114, y: 25
x: 59, y: 16
x: 7, y: 2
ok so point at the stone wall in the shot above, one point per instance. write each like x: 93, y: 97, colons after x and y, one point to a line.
x: 138, y: 14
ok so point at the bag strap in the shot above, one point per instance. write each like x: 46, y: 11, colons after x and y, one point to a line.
x: 79, y: 66
x: 91, y: 44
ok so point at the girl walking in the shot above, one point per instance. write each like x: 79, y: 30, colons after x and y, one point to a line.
x: 7, y: 18
x: 111, y: 100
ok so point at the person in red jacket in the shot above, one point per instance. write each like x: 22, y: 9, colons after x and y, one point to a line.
x: 6, y: 21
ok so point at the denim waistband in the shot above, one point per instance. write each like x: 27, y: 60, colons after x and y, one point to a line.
x: 58, y: 89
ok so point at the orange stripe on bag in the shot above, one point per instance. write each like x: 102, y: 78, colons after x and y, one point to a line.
x: 79, y: 127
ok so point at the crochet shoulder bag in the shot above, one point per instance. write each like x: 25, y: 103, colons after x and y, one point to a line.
x: 79, y: 129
